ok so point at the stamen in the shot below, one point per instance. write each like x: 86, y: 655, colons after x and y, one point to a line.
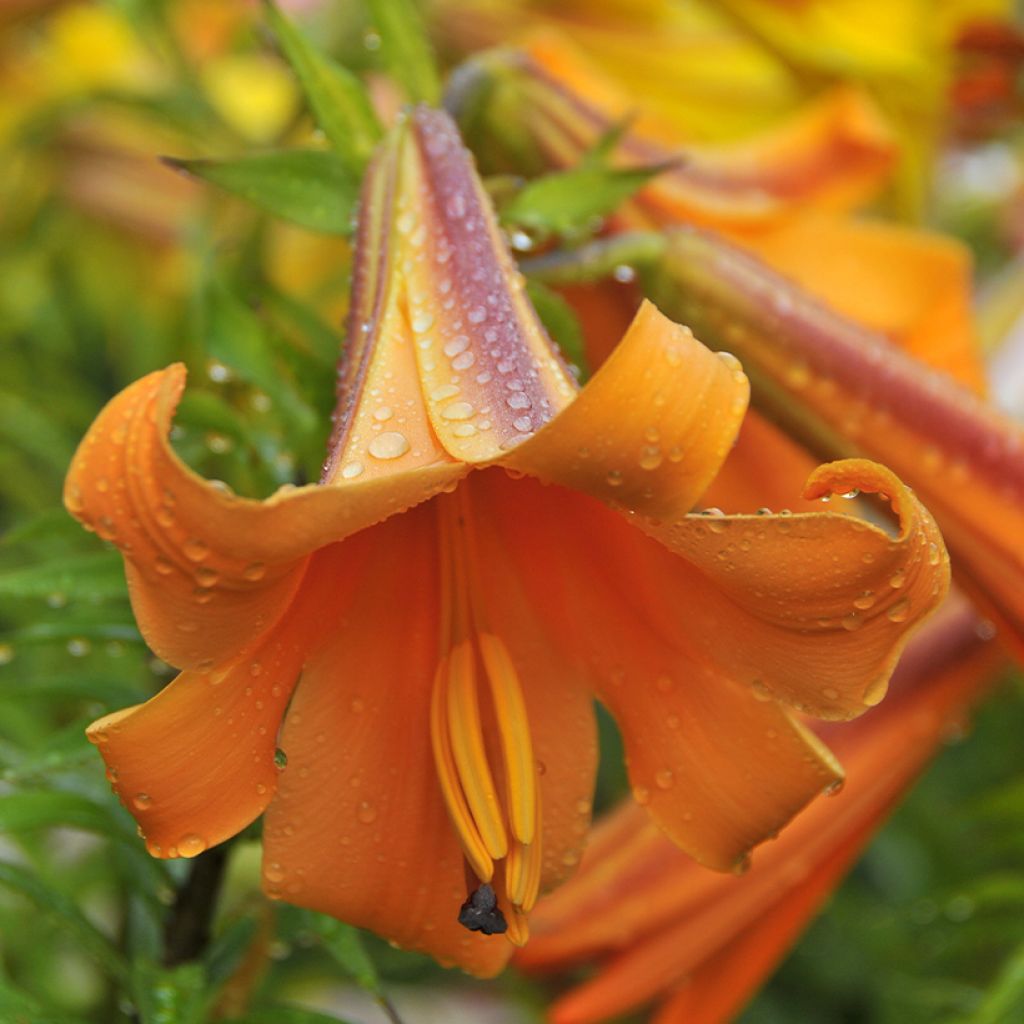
x: 514, y: 729
x: 447, y: 775
x: 500, y: 835
x: 467, y: 745
x: 534, y: 867
x: 518, y: 932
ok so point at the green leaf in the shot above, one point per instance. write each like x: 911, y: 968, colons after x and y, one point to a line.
x: 176, y: 995
x: 337, y: 98
x: 405, y: 48
x: 17, y: 1007
x: 345, y: 944
x: 20, y: 812
x: 286, y: 1015
x: 1004, y: 1001
x: 98, y: 575
x: 237, y: 337
x: 63, y: 910
x: 560, y: 321
x: 313, y: 188
x: 573, y: 203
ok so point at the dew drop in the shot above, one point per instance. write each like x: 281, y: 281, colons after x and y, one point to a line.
x: 366, y: 812
x: 641, y: 794
x: 614, y: 478
x: 207, y: 577
x: 142, y: 801
x: 196, y: 550
x: 382, y: 413
x: 477, y: 315
x: 650, y: 457
x: 664, y: 779
x: 79, y: 647
x: 851, y: 622
x: 422, y: 322
x: 897, y: 579
x: 865, y: 601
x: 458, y: 411
x: 351, y: 470
x: 899, y: 612
x: 191, y: 846
x: 162, y: 565
x: 273, y: 871
x: 389, y: 445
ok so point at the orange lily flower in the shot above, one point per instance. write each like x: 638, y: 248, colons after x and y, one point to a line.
x: 442, y: 729
x: 662, y: 928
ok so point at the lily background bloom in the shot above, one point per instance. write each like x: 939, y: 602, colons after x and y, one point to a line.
x: 445, y: 659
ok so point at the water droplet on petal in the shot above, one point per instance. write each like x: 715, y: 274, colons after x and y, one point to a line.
x: 389, y: 445
x: 196, y: 550
x: 191, y: 846
x: 142, y: 801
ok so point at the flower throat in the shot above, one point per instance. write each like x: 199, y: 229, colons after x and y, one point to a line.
x: 489, y: 788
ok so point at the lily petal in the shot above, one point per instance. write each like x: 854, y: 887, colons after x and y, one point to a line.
x: 195, y: 764
x: 804, y: 621
x: 651, y: 428
x: 210, y: 573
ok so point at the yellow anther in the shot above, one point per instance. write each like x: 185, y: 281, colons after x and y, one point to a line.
x: 514, y: 729
x: 467, y: 744
x: 465, y: 827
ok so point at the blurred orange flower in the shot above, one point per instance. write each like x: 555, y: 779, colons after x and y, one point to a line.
x: 443, y: 729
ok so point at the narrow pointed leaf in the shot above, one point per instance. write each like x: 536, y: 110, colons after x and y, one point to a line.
x: 405, y: 48
x: 573, y: 203
x: 60, y: 908
x: 169, y: 995
x: 560, y: 322
x: 89, y: 576
x: 1005, y: 1000
x: 312, y: 188
x: 345, y: 944
x: 337, y: 98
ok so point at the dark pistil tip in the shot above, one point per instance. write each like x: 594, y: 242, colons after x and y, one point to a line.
x: 480, y: 912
